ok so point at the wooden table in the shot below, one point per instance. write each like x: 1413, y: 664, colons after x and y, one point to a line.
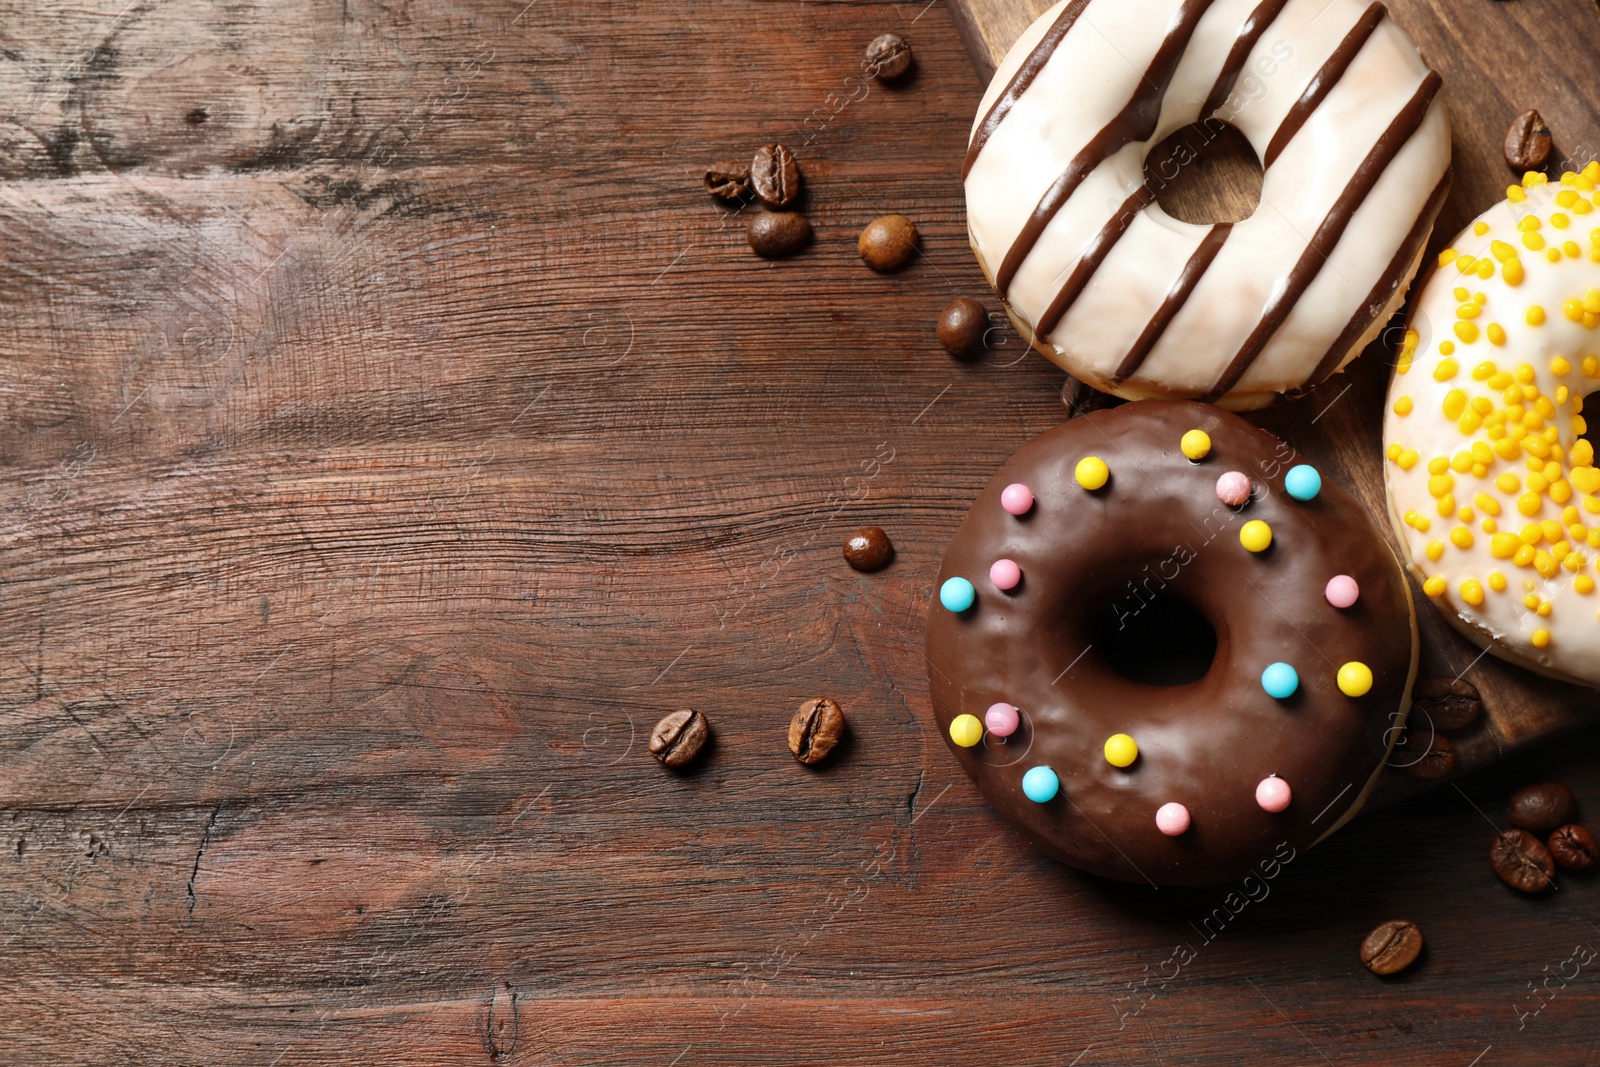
x: 393, y: 430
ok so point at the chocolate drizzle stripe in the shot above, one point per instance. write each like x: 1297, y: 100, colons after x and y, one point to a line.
x: 1136, y: 122
x: 1384, y: 291
x: 1094, y: 254
x: 1021, y: 80
x: 1323, y: 242
x: 1254, y: 26
x: 1322, y: 83
x: 1177, y: 296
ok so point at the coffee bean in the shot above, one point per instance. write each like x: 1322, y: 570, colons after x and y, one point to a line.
x: 868, y: 549
x: 888, y: 242
x: 679, y: 738
x: 728, y: 181
x: 815, y: 729
x: 1448, y: 703
x: 1522, y: 862
x: 962, y: 326
x: 1391, y: 947
x: 775, y: 234
x: 1527, y: 142
x: 1574, y: 847
x: 1541, y: 808
x: 888, y: 56
x: 1438, y: 761
x: 775, y: 176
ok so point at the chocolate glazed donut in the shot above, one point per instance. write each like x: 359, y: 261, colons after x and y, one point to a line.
x: 1141, y: 611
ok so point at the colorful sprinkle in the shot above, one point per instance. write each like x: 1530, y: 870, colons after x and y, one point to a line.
x: 1273, y: 794
x: 1280, y: 680
x: 1256, y: 536
x: 1355, y: 679
x: 1005, y: 574
x: 1196, y: 444
x: 966, y: 730
x: 1233, y: 489
x: 1092, y: 472
x: 1002, y: 719
x: 1016, y: 498
x: 1303, y: 482
x: 1040, y: 784
x: 957, y: 594
x: 1121, y: 750
x: 1342, y: 591
x: 1172, y: 819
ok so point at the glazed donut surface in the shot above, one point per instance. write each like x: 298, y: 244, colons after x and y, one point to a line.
x: 1492, y: 489
x: 1339, y: 107
x: 1097, y: 568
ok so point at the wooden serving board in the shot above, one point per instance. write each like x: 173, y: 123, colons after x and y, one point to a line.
x: 1500, y: 61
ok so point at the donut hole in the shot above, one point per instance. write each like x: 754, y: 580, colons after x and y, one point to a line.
x: 1205, y: 173
x: 1164, y: 642
x: 1591, y: 416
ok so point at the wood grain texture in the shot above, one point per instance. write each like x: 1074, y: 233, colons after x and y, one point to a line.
x: 1338, y: 426
x: 392, y: 430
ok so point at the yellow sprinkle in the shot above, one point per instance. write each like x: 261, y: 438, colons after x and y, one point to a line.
x: 1559, y: 365
x: 1438, y: 465
x: 1530, y: 224
x: 1565, y: 198
x: 1480, y: 451
x: 1256, y: 536
x: 1591, y: 300
x: 1461, y: 537
x: 1455, y: 402
x: 1485, y: 268
x: 1472, y: 592
x: 1435, y: 550
x: 1515, y: 194
x: 1447, y: 367
x: 1535, y: 316
x: 1407, y: 459
x: 1506, y: 447
x: 1486, y: 503
x: 1469, y: 424
x: 1572, y: 250
x: 1461, y: 462
x: 1447, y: 257
x: 1497, y: 334
x: 1499, y: 381
x: 1461, y: 293
x: 1447, y: 505
x: 1560, y: 492
x: 1583, y: 584
x: 1434, y: 586
x: 1195, y: 444
x: 1537, y: 482
x: 1504, y: 545
x: 1483, y: 370
x: 1468, y: 332
x: 1541, y: 639
x: 1468, y: 310
x: 1092, y: 472
x: 1524, y: 373
x: 1528, y: 503
x: 1497, y: 581
x: 1531, y: 601
x: 1553, y: 255
x: 1573, y: 310
x: 1513, y: 272
x: 1466, y: 264
x: 1480, y: 228
x: 1466, y: 514
x: 1524, y: 556
x: 1591, y: 367
x: 1403, y: 406
x: 1501, y: 251
x: 1447, y: 348
x: 1558, y: 220
x: 1532, y: 178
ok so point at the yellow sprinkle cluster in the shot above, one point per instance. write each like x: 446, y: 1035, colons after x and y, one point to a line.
x: 1512, y: 467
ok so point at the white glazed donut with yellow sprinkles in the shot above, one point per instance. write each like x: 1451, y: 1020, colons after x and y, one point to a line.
x: 1492, y: 490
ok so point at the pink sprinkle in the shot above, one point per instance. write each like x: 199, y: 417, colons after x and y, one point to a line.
x: 1273, y: 794
x: 1016, y: 498
x: 1342, y: 591
x: 1005, y: 574
x: 1001, y: 719
x: 1172, y: 819
x: 1233, y: 489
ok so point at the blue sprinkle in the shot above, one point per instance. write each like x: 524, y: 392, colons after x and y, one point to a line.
x: 1280, y: 681
x: 1040, y: 784
x: 1303, y: 482
x: 957, y: 594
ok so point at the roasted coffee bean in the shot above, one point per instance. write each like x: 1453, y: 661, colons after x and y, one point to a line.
x: 1541, y: 808
x: 775, y: 176
x: 962, y: 326
x: 728, y: 181
x: 815, y: 729
x: 1522, y: 862
x: 1438, y: 761
x: 1391, y: 947
x: 888, y: 56
x: 868, y: 549
x: 888, y: 242
x: 679, y: 738
x: 1527, y: 142
x: 775, y: 234
x: 1574, y: 847
x: 1448, y: 703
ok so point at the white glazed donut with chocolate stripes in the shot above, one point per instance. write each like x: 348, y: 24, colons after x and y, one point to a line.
x: 1354, y: 141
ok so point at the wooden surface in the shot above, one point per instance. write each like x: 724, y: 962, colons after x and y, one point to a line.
x: 1339, y: 426
x: 393, y: 430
